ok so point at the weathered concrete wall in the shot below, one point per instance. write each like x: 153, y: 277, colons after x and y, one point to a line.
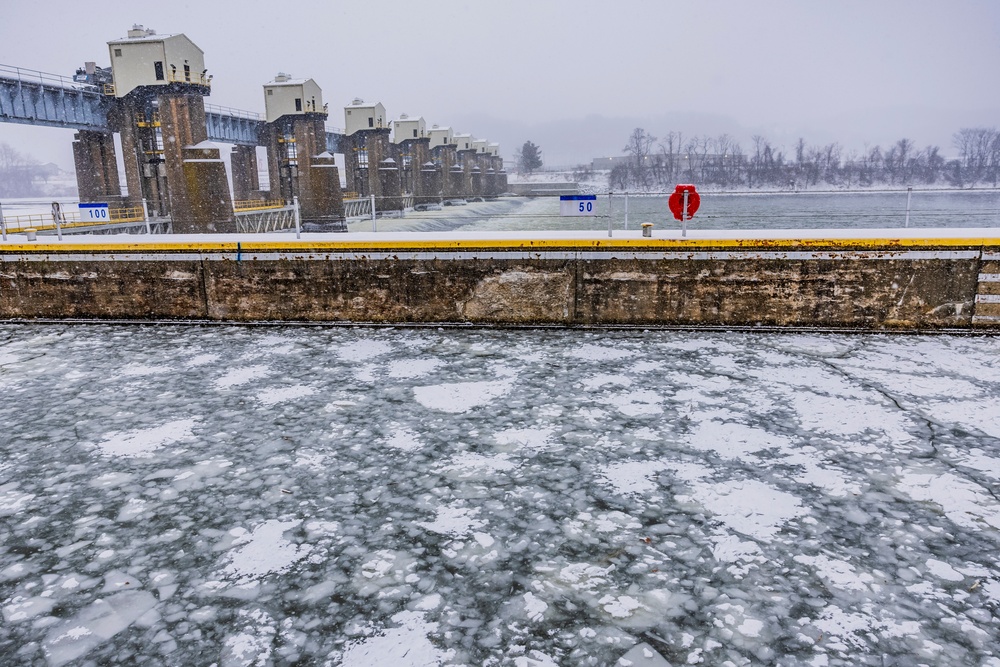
x: 536, y: 283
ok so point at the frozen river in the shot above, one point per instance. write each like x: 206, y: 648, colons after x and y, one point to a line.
x: 176, y: 495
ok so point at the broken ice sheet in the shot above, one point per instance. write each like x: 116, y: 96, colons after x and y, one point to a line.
x: 497, y: 497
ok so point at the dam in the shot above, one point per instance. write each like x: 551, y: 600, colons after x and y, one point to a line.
x: 911, y: 280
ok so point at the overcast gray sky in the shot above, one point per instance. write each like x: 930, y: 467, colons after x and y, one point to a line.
x: 854, y: 71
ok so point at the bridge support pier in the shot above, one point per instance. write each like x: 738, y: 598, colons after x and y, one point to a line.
x: 207, y: 206
x: 364, y: 152
x: 300, y: 166
x: 429, y: 178
x: 96, y: 167
x: 389, y: 184
x: 196, y: 176
x: 322, y: 202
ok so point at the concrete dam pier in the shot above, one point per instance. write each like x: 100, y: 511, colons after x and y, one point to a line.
x: 567, y: 279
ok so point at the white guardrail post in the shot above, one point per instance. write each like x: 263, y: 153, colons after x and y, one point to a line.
x: 609, y: 214
x: 298, y: 220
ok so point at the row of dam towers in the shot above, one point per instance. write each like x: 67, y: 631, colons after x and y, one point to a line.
x: 156, y: 88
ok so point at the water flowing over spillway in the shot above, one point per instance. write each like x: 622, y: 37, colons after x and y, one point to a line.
x: 359, y: 496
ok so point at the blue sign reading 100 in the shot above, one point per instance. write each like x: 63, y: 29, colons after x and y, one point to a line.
x: 94, y: 212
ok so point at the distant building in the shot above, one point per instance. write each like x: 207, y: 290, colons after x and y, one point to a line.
x: 463, y: 142
x: 404, y: 128
x: 361, y: 116
x: 147, y: 59
x: 440, y: 136
x: 286, y: 96
x: 608, y: 163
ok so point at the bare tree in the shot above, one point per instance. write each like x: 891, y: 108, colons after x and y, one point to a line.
x: 638, y: 148
x: 17, y: 173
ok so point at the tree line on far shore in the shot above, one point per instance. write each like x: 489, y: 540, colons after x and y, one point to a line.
x: 652, y: 165
x: 22, y: 175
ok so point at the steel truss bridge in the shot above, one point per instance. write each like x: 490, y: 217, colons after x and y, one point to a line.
x: 37, y: 98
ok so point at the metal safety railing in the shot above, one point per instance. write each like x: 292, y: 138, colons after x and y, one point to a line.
x: 258, y: 205
x: 45, y: 221
x: 260, y: 221
x: 229, y: 111
x: 197, y: 78
x: 43, y: 78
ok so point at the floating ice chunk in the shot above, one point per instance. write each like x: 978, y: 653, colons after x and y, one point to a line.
x: 923, y: 386
x: 134, y: 508
x: 857, y: 629
x: 832, y: 480
x: 138, y: 370
x: 201, y: 360
x: 484, y: 540
x: 263, y: 551
x: 586, y: 524
x: 362, y: 350
x: 533, y: 607
x: 454, y: 521
x: 964, y: 502
x: 112, y: 479
x: 386, y: 573
x: 982, y: 415
x: 744, y: 556
x: 238, y: 376
x: 252, y: 646
x: 406, y: 645
x: 642, y: 655
x: 621, y: 606
x: 308, y: 458
x: 471, y: 465
x: 460, y: 396
x: 734, y: 441
x: 272, y: 340
x: 22, y: 609
x: 412, y: 368
x: 94, y: 625
x: 404, y: 439
x: 632, y: 478
x: 749, y: 507
x: 977, y: 460
x: 142, y: 443
x: 750, y: 627
x: 534, y: 659
x: 13, y: 501
x: 590, y: 352
x: 942, y: 570
x: 837, y: 573
x: 527, y: 438
x: 636, y: 403
x: 428, y: 602
x: 277, y: 395
x: 646, y: 366
x: 848, y: 416
x: 598, y: 381
x: 115, y: 581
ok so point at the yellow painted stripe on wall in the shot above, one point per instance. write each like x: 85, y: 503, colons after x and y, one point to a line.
x: 487, y: 244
